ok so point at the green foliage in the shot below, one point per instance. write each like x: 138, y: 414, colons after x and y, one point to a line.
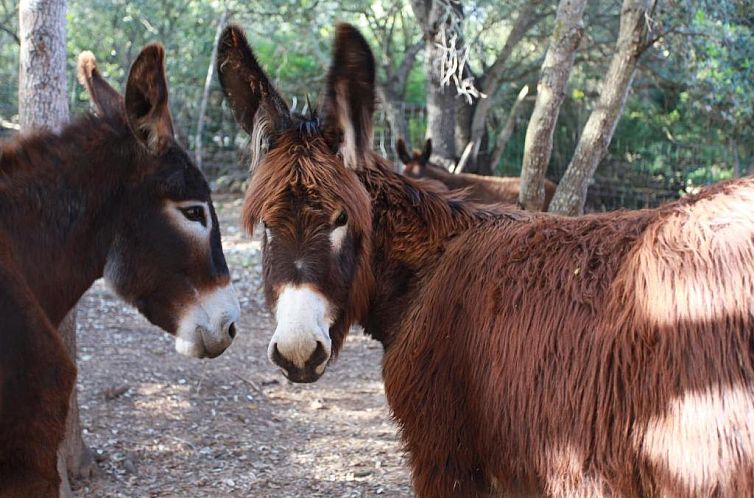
x: 686, y: 123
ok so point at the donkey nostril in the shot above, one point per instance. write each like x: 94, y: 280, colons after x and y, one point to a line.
x: 319, y: 355
x: 232, y: 331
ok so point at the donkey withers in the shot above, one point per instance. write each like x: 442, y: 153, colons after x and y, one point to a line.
x: 112, y: 194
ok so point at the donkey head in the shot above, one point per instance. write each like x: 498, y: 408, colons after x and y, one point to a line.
x: 166, y: 256
x: 414, y: 164
x: 305, y: 189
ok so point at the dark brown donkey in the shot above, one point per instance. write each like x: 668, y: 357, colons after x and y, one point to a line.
x: 481, y: 189
x: 112, y: 194
x: 602, y: 356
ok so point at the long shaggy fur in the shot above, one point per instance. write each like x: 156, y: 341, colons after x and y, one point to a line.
x: 608, y: 355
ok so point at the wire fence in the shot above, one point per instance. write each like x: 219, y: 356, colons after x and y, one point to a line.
x: 623, y: 180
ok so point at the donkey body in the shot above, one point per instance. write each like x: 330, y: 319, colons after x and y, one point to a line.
x: 478, y: 188
x: 525, y: 354
x: 110, y: 194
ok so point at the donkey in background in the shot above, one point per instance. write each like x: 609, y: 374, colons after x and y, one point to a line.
x: 525, y: 354
x: 111, y: 194
x: 481, y: 189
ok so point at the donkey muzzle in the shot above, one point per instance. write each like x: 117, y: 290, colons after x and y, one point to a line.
x: 301, y: 344
x: 208, y: 326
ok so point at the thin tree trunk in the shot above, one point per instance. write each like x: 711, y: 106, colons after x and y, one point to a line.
x: 441, y: 109
x: 505, y: 134
x: 733, y: 144
x: 42, y: 102
x: 491, y: 80
x: 570, y: 196
x: 464, y: 114
x: 42, y: 97
x: 205, y: 93
x: 556, y: 70
x: 74, y: 455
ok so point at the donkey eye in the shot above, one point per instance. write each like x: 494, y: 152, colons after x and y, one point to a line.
x: 342, y: 219
x: 194, y: 213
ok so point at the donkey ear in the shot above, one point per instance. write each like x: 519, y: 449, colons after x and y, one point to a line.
x: 107, y: 100
x: 350, y: 96
x: 147, y: 109
x: 246, y: 85
x: 426, y: 153
x: 403, y: 154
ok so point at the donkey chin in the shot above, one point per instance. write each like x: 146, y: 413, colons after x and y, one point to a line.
x: 208, y: 326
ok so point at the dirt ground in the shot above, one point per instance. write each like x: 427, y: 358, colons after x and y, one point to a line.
x: 165, y: 425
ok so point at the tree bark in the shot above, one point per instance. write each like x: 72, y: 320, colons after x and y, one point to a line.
x: 556, y: 70
x: 42, y: 103
x: 441, y: 99
x: 42, y: 99
x: 507, y: 131
x: 570, y: 196
x: 205, y: 93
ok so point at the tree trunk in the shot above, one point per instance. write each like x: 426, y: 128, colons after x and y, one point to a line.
x: 42, y: 102
x: 556, y: 69
x: 205, y: 93
x: 570, y: 196
x: 441, y: 109
x: 441, y: 99
x: 464, y: 114
x: 492, y: 78
x: 42, y: 98
x: 74, y: 456
x: 507, y: 131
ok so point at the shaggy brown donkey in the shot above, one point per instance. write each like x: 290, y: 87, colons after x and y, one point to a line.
x: 482, y: 189
x: 525, y: 354
x: 111, y: 194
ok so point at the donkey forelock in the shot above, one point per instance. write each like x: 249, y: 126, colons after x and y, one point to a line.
x: 303, y: 163
x: 297, y: 190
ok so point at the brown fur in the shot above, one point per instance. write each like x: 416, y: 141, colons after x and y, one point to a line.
x: 482, y: 189
x: 532, y: 354
x: 70, y: 203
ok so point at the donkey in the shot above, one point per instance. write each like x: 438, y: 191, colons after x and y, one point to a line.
x: 481, y: 189
x: 525, y: 353
x: 112, y: 194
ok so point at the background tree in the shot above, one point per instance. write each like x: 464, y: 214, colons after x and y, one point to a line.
x: 472, y: 122
x: 441, y: 22
x: 556, y: 70
x: 570, y: 196
x: 42, y: 96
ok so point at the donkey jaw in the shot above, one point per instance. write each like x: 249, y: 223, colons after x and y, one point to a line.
x: 301, y: 344
x: 207, y: 326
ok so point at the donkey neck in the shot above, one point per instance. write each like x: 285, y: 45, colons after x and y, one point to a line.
x: 412, y: 224
x: 60, y: 197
